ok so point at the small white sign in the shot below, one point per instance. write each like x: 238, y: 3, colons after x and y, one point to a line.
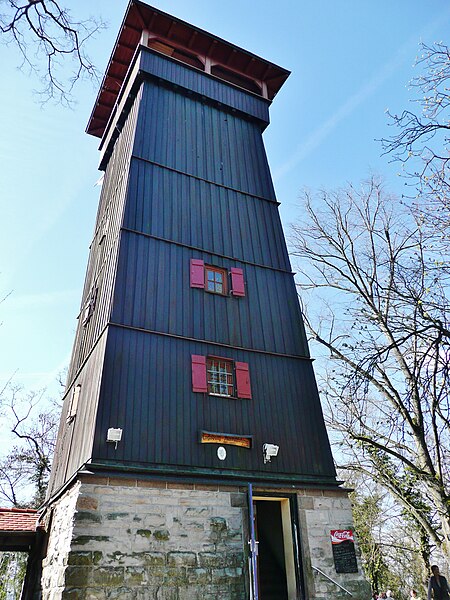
x: 221, y: 453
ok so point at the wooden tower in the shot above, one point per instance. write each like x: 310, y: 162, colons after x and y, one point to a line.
x: 191, y: 423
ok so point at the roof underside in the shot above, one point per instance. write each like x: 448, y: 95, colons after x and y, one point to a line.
x: 186, y: 40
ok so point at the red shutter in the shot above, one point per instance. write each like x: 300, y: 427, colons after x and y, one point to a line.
x: 199, y: 373
x: 197, y: 273
x: 237, y: 282
x: 243, y: 380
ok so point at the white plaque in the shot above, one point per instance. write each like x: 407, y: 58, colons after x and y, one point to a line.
x: 221, y: 453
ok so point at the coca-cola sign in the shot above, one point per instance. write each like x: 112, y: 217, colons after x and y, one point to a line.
x: 341, y: 535
x: 343, y: 546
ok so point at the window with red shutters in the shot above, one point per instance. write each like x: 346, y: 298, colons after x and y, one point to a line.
x: 215, y: 279
x: 220, y: 377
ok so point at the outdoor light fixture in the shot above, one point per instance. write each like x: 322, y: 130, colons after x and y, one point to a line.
x: 114, y: 435
x: 269, y: 450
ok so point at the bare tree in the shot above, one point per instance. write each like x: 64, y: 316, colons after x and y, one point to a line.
x: 422, y: 143
x: 384, y: 327
x: 48, y: 38
x: 25, y: 469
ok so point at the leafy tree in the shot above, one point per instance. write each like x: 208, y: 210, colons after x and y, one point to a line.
x: 384, y: 326
x: 389, y: 541
x: 49, y: 39
x: 12, y: 572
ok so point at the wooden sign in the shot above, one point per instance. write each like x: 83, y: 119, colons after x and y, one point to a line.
x: 344, y: 554
x: 208, y: 437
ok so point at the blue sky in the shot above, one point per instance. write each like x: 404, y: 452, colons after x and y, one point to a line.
x: 350, y: 61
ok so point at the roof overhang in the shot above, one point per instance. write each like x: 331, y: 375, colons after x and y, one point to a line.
x: 143, y: 23
x: 17, y: 541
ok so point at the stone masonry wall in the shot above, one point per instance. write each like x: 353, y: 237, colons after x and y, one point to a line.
x: 60, y: 522
x: 319, y: 512
x: 141, y: 540
x: 132, y: 539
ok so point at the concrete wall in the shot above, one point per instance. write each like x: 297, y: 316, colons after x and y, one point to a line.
x: 134, y: 539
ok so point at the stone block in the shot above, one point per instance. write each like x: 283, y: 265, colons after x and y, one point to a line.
x: 161, y: 535
x: 83, y: 540
x: 151, y: 558
x: 121, y: 593
x: 175, y: 577
x: 78, y: 594
x: 122, y: 482
x: 152, y: 484
x: 135, y: 576
x: 198, y: 576
x: 108, y: 576
x: 181, y: 559
x: 306, y: 503
x: 238, y: 500
x: 87, y: 516
x: 173, y: 485
x: 84, y: 558
x: 206, y: 487
x: 144, y: 533
x: 212, y: 560
x: 113, y: 516
x: 95, y: 594
x: 87, y: 503
x: 77, y: 576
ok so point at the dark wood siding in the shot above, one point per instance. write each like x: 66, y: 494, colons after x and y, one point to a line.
x: 147, y: 391
x: 188, y: 178
x: 75, y: 438
x: 192, y: 212
x: 193, y: 81
x: 153, y: 292
x: 103, y: 251
x: 202, y: 140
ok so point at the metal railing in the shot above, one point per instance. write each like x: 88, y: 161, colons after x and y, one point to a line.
x: 332, y: 580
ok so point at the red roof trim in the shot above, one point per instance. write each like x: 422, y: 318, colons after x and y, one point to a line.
x: 140, y: 16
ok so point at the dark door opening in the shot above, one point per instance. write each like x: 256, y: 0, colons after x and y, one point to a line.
x: 271, y: 553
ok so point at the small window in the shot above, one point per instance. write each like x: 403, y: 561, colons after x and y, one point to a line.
x: 220, y: 378
x: 215, y: 280
x: 73, y: 407
x: 89, y: 307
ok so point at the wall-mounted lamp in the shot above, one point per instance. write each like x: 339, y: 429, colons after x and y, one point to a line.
x: 269, y: 450
x: 114, y: 435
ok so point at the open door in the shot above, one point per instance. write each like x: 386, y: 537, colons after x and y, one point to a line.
x: 276, y: 572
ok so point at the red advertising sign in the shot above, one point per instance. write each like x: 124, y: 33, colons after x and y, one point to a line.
x: 343, y: 545
x: 340, y: 535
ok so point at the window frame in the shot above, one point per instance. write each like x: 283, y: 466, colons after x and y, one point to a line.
x: 230, y: 376
x: 223, y: 272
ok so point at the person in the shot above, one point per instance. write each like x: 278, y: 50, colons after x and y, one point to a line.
x: 415, y: 594
x: 437, y: 586
x: 389, y: 594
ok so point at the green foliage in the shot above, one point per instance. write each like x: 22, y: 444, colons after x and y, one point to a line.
x: 366, y: 513
x: 12, y: 572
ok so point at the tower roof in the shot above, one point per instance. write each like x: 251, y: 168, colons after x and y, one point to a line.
x: 187, y: 43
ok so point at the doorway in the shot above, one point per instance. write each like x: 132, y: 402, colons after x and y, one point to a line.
x: 278, y: 556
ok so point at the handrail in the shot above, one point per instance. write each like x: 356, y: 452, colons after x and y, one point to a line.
x: 332, y: 580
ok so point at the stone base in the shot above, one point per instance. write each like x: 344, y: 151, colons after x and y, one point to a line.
x: 134, y: 539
